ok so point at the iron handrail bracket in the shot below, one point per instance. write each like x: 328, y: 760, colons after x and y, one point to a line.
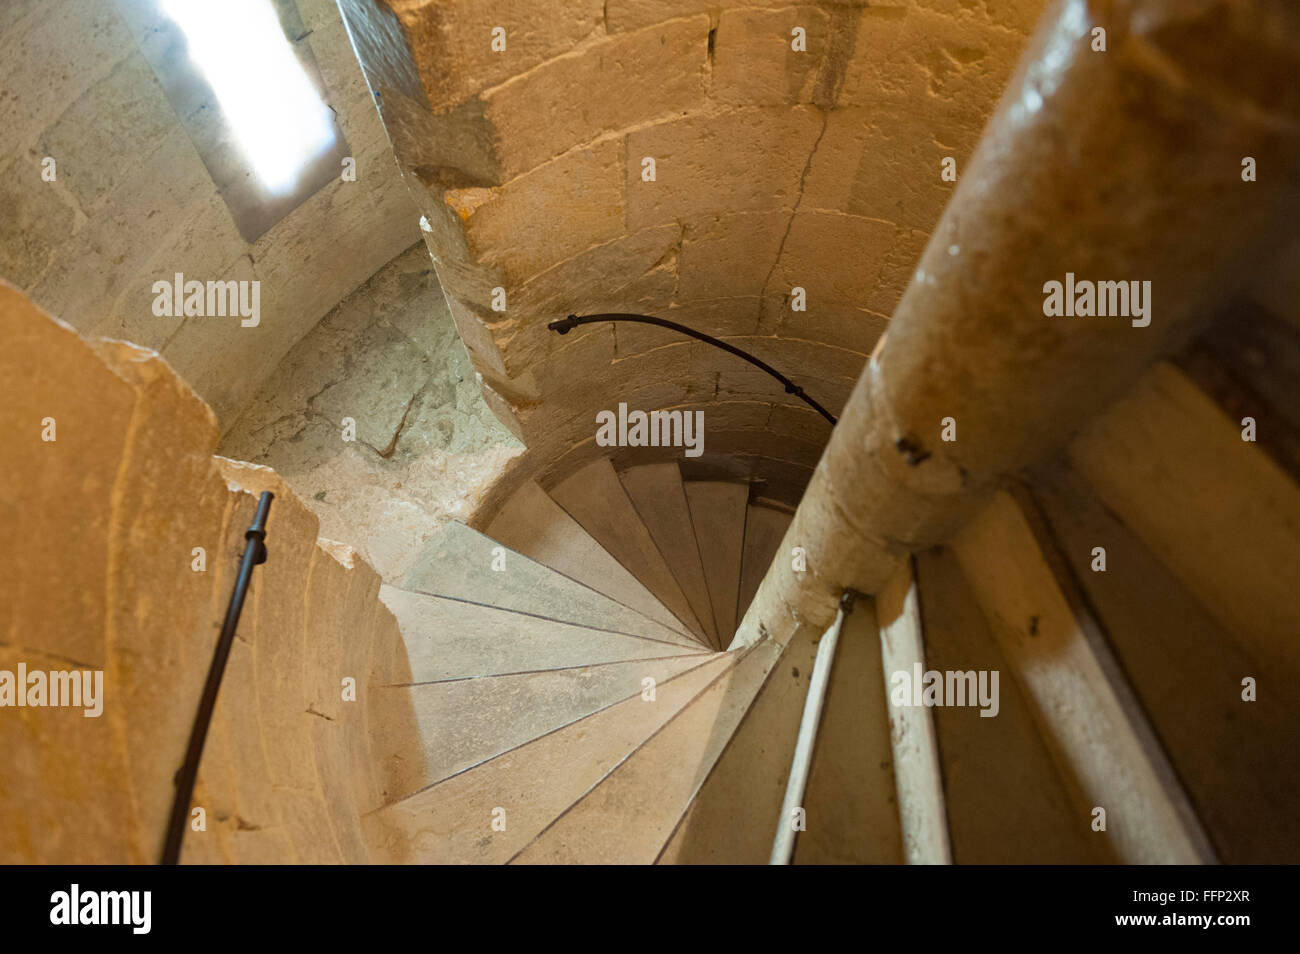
x: 254, y: 554
x: 783, y: 843
x: 564, y: 325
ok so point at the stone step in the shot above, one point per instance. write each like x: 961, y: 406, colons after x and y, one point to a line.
x: 49, y: 372
x: 461, y: 723
x: 851, y: 800
x: 718, y: 511
x: 1006, y: 799
x: 533, y: 524
x: 734, y: 818
x: 1236, y: 758
x: 764, y: 529
x: 451, y: 639
x: 594, y: 497
x: 302, y: 650
x: 656, y: 783
x: 660, y: 500
x: 525, y: 789
x: 1082, y: 703
x: 914, y: 746
x: 459, y: 563
x: 1166, y: 451
x: 149, y: 530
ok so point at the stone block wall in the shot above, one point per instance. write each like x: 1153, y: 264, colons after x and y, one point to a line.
x: 133, y: 203
x: 794, y: 145
x: 388, y: 359
x: 125, y: 535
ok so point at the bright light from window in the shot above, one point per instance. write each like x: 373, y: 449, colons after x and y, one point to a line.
x: 271, y: 106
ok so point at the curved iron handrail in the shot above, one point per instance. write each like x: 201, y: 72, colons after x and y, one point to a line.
x: 565, y: 325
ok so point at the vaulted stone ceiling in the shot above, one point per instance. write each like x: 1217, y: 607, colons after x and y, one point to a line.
x: 793, y: 146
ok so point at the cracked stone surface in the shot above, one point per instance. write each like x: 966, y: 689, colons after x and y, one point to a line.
x: 426, y: 445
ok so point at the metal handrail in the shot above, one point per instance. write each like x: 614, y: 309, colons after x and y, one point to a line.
x: 565, y: 325
x: 254, y: 554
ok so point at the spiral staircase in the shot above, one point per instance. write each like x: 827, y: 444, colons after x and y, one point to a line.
x: 579, y: 698
x: 568, y: 683
x: 623, y: 661
x: 568, y: 686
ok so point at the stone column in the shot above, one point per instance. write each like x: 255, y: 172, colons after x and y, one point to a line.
x: 1122, y: 164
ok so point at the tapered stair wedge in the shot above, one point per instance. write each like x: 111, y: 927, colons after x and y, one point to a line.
x: 1007, y: 803
x: 657, y: 782
x: 657, y: 492
x: 450, y: 639
x: 764, y: 528
x: 92, y: 794
x: 462, y: 722
x: 1165, y: 452
x: 466, y: 565
x: 535, y: 525
x: 1236, y: 757
x: 918, y: 775
x: 488, y: 814
x: 733, y: 819
x: 718, y: 512
x: 596, y: 499
x: 851, y: 802
x: 1094, y: 727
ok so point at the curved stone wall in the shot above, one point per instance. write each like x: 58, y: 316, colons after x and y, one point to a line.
x: 793, y: 147
x: 125, y: 534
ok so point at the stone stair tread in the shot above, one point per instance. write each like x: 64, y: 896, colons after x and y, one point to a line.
x: 596, y: 499
x: 460, y: 723
x: 1236, y: 768
x: 1064, y: 663
x: 734, y: 817
x: 535, y: 525
x: 851, y: 801
x: 718, y: 512
x: 457, y: 563
x: 658, y: 781
x: 657, y: 493
x: 1004, y: 762
x: 451, y: 639
x: 764, y: 530
x: 529, y: 787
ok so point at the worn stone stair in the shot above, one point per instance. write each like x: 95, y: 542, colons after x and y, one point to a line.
x: 569, y: 693
x: 596, y: 499
x: 718, y: 512
x: 458, y: 563
x: 535, y: 525
x: 510, y: 666
x: 657, y: 493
